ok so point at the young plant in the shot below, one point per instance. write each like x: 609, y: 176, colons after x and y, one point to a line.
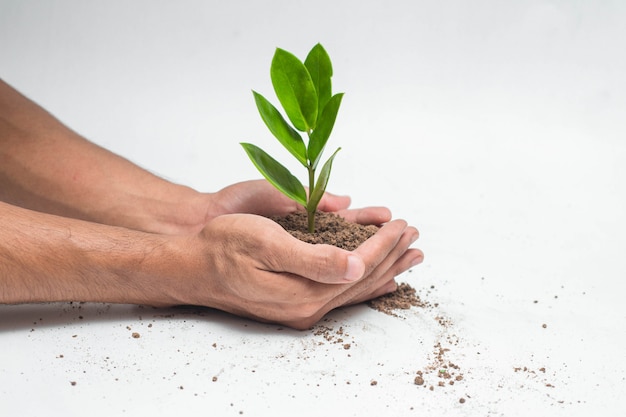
x: 305, y: 93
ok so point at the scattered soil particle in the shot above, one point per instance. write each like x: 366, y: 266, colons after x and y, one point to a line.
x: 440, y: 366
x: 544, y: 325
x: 332, y: 336
x: 373, y: 382
x: 330, y: 229
x: 403, y: 298
x: 214, y: 379
x: 533, y: 374
x: 73, y: 383
x: 445, y: 370
x: 136, y: 335
x: 461, y: 400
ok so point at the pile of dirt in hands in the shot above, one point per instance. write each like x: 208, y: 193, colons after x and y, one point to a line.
x: 330, y: 229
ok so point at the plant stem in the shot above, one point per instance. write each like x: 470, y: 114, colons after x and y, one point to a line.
x: 311, y: 211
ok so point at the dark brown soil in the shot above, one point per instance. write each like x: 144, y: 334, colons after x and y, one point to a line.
x: 403, y: 298
x: 329, y: 229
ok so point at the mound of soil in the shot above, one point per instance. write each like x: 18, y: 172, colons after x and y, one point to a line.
x: 330, y: 229
x: 403, y: 298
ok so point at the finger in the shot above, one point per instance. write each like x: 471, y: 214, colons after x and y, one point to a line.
x: 374, y: 250
x: 399, y: 259
x: 412, y: 257
x: 333, y: 203
x: 386, y: 288
x: 409, y: 259
x: 367, y: 215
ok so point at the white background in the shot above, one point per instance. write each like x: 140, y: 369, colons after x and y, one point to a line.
x: 497, y: 128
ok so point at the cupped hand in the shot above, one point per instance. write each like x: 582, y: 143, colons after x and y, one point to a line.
x: 260, y: 197
x: 249, y: 266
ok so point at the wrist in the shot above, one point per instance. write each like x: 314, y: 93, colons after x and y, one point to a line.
x: 182, y: 211
x: 176, y: 271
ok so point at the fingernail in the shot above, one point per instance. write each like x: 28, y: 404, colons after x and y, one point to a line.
x: 356, y: 268
x: 417, y: 260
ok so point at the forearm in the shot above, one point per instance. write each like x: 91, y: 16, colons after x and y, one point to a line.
x: 47, y: 167
x: 46, y: 258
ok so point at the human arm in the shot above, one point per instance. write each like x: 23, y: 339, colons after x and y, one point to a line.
x: 81, y: 223
x: 243, y: 264
x: 47, y: 167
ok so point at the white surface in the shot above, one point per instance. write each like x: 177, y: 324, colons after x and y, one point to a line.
x: 497, y: 128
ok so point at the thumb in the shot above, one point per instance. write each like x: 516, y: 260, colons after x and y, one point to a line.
x: 322, y: 263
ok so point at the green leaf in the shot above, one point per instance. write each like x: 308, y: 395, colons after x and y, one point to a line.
x: 325, y: 125
x: 276, y: 174
x: 285, y: 134
x: 319, y: 66
x: 295, y: 90
x: 322, y: 182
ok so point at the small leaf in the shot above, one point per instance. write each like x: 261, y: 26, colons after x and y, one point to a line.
x: 325, y: 125
x: 276, y: 174
x: 285, y: 134
x: 319, y: 66
x: 322, y: 182
x: 294, y: 89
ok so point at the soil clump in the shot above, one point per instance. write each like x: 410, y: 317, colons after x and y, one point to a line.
x: 403, y: 298
x: 330, y: 229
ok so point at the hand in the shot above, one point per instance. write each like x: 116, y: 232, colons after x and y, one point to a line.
x: 249, y: 266
x: 260, y: 197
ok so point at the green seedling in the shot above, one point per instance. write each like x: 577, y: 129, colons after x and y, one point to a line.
x: 305, y: 93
